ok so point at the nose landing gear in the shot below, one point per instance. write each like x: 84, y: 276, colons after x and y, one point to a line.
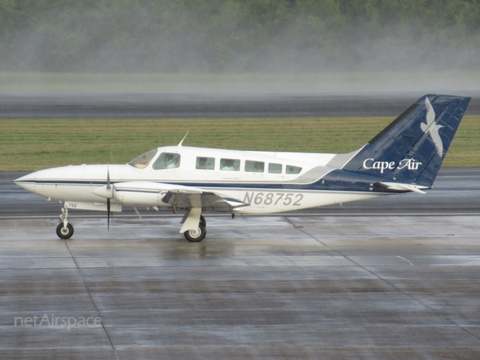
x: 64, y: 229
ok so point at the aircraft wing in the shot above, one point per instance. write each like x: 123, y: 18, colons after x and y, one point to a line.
x: 208, y: 201
x: 176, y: 195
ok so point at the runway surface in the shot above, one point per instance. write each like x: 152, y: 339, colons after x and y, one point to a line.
x: 211, y: 105
x: 277, y: 287
x: 270, y: 287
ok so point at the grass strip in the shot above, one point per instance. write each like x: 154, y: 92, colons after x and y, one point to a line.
x: 28, y: 145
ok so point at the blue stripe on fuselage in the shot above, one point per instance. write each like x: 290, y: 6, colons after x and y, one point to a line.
x: 337, y: 180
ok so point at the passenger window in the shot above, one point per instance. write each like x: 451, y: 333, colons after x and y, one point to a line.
x: 230, y: 164
x: 275, y: 168
x: 254, y: 166
x: 293, y: 169
x: 205, y: 163
x: 167, y: 161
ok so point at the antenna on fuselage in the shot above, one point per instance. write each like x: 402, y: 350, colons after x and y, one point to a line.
x: 181, y: 142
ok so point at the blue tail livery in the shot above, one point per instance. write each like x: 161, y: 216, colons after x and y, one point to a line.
x: 412, y: 148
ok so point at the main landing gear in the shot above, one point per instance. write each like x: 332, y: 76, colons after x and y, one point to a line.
x: 64, y: 229
x: 197, y: 235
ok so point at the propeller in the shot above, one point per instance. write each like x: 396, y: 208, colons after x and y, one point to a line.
x: 106, y: 192
x: 108, y: 199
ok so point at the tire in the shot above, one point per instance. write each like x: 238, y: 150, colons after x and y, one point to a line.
x: 203, y: 222
x: 64, y: 233
x: 196, y: 235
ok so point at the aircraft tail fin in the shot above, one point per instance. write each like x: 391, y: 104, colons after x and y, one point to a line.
x: 412, y: 148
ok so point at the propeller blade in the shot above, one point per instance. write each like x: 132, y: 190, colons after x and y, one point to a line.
x: 108, y: 214
x: 108, y: 178
x: 108, y: 200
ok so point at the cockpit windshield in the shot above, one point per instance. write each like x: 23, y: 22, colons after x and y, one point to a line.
x: 142, y: 161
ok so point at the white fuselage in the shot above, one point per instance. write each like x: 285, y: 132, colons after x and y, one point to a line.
x: 268, y: 182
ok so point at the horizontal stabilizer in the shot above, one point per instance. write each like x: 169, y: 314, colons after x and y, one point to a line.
x: 402, y: 187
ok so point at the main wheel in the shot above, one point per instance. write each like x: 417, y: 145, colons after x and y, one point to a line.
x: 64, y: 232
x: 196, y: 235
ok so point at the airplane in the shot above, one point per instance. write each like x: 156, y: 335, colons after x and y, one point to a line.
x: 405, y: 157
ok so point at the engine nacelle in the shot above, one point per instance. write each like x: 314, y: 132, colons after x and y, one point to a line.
x: 139, y: 194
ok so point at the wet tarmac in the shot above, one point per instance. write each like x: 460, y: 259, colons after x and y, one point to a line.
x: 258, y: 287
x: 305, y: 286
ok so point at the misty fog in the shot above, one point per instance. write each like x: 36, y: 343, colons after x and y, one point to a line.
x: 234, y: 36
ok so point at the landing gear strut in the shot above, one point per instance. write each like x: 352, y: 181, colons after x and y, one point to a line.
x: 64, y: 229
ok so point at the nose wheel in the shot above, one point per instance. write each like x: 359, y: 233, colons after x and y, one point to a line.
x: 64, y: 232
x: 64, y: 229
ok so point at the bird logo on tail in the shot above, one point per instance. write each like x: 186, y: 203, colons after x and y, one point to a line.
x: 432, y: 127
